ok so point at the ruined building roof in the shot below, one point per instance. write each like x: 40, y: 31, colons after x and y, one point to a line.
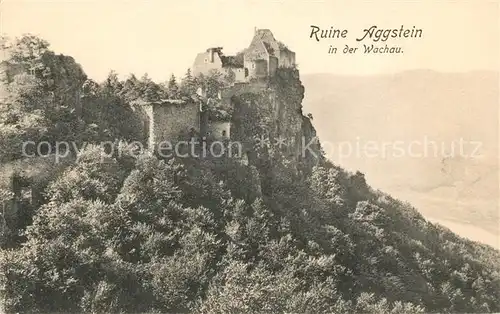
x: 231, y: 61
x: 215, y: 49
x: 268, y: 39
x: 166, y: 102
x: 257, y: 50
x: 263, y: 39
x: 269, y: 49
x: 262, y: 47
x: 263, y: 32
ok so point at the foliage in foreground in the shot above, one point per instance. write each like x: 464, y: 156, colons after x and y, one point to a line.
x: 173, y: 238
x: 143, y: 234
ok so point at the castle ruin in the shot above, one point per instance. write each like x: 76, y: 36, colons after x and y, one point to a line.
x: 260, y: 60
x: 171, y: 119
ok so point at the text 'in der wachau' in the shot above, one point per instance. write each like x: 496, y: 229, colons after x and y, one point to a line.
x: 373, y: 33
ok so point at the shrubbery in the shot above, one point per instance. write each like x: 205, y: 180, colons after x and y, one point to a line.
x: 150, y: 235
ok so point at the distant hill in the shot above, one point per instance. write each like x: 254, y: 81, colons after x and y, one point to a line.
x: 414, y: 106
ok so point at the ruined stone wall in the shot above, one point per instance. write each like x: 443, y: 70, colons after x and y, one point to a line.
x: 257, y: 68
x: 148, y: 118
x: 240, y: 74
x: 171, y: 120
x: 219, y: 130
x: 287, y: 58
x: 241, y: 88
x: 206, y: 62
x: 273, y: 65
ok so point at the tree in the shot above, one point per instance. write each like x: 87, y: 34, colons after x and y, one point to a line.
x: 95, y: 176
x: 108, y: 110
x: 7, y: 219
x: 173, y: 87
x: 132, y: 89
x: 150, y: 91
x: 230, y: 77
x: 188, y: 85
x: 327, y: 183
x: 90, y: 88
x: 28, y: 50
x: 43, y: 99
x: 112, y: 85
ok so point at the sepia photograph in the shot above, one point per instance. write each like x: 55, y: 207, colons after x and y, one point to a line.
x: 249, y: 156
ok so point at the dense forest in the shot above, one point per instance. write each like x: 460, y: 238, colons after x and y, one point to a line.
x: 145, y: 234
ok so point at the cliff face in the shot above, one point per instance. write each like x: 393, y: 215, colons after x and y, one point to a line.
x: 277, y: 138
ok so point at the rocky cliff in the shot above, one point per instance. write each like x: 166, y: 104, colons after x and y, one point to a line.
x: 268, y: 121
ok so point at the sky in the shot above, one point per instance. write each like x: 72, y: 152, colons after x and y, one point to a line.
x: 161, y: 37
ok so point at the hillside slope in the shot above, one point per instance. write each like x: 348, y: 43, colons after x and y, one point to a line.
x: 420, y: 106
x: 276, y: 232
